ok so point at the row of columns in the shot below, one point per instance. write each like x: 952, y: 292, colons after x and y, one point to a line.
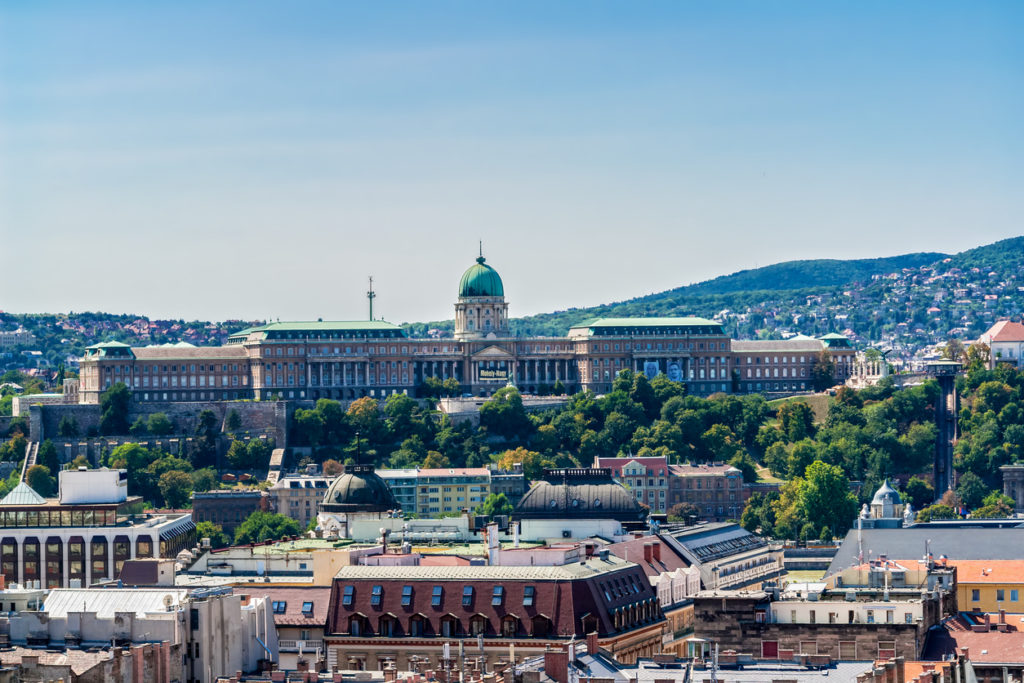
x: 87, y: 558
x: 356, y: 373
x: 545, y: 371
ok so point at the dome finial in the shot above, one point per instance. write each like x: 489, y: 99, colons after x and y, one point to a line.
x: 480, y: 258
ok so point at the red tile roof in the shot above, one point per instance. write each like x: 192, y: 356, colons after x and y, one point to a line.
x: 294, y: 599
x: 1004, y: 331
x: 988, y: 647
x: 633, y: 551
x: 658, y: 466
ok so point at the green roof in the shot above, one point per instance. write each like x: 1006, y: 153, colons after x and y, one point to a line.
x: 647, y: 322
x: 481, y: 280
x: 323, y: 327
x: 328, y: 326
x: 833, y: 335
x: 109, y: 345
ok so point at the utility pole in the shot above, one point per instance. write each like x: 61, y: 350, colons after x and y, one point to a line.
x: 371, y: 296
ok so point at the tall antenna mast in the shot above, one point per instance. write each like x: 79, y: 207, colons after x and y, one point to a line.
x: 371, y: 296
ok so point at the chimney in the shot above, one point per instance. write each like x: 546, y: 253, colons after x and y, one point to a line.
x: 657, y: 551
x: 592, y: 646
x: 588, y: 548
x: 556, y: 665
x: 648, y: 552
x: 1002, y: 616
x: 964, y: 652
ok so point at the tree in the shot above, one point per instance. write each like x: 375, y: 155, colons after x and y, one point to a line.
x: 67, y: 427
x: 204, y: 480
x: 995, y: 506
x: 505, y: 416
x: 953, y: 350
x: 435, y: 461
x: 495, y: 504
x: 159, y: 424
x: 919, y: 491
x: 972, y: 490
x: 533, y: 462
x: 233, y: 421
x: 176, y: 488
x: 744, y: 463
x: 47, y: 455
x: 265, y: 526
x: 214, y: 532
x: 937, y: 511
x: 207, y: 431
x: 40, y: 480
x: 796, y: 420
x: 238, y: 455
x: 114, y: 406
x: 331, y: 468
x: 827, y: 498
x: 823, y: 371
x: 79, y: 461
x: 683, y: 512
x: 138, y: 427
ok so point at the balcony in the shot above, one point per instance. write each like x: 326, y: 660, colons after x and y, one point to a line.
x: 293, y: 645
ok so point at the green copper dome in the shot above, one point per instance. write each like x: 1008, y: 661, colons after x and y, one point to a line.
x: 481, y: 280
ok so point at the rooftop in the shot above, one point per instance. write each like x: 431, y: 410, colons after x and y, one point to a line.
x: 565, y: 572
x: 306, y: 606
x: 105, y: 602
x: 687, y: 321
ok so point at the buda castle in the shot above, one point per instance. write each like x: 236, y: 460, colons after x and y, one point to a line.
x: 351, y: 359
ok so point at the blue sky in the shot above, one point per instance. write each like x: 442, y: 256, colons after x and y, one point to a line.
x: 253, y: 160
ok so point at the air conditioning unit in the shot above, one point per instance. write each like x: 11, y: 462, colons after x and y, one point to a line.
x: 566, y: 533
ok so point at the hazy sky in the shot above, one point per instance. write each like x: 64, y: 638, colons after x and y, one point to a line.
x: 253, y: 160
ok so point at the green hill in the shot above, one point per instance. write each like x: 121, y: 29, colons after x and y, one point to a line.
x: 790, y: 279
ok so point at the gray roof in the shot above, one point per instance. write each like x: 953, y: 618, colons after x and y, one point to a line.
x: 105, y: 602
x: 23, y: 494
x: 575, y: 570
x: 957, y: 543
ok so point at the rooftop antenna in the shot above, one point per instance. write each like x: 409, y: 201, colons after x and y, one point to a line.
x: 371, y: 296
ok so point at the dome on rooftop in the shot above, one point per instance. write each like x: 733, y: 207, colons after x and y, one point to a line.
x: 359, y: 489
x: 481, y: 280
x: 886, y: 494
x: 579, y: 494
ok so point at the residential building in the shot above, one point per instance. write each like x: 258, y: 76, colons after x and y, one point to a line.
x: 228, y: 508
x: 512, y: 482
x: 989, y: 585
x: 404, y: 487
x: 394, y: 613
x: 727, y: 555
x: 299, y: 497
x: 199, y: 635
x: 86, y: 534
x: 716, y: 490
x: 1005, y: 341
x: 348, y: 359
x: 300, y: 615
x: 673, y: 579
x: 845, y: 624
x: 646, y: 478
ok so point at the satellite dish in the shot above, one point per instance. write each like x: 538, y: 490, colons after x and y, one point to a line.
x: 168, y: 600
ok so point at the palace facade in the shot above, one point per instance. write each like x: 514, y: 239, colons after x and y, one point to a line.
x: 348, y: 360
